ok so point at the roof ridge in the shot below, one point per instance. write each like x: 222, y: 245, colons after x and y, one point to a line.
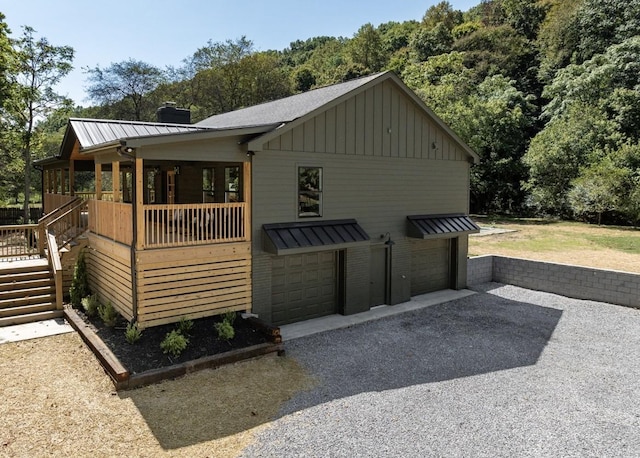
x: 137, y: 123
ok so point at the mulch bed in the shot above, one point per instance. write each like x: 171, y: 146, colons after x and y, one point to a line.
x: 146, y: 354
x: 143, y: 363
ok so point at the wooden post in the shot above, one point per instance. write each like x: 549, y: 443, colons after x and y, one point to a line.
x: 55, y: 181
x: 139, y: 204
x: 98, y: 181
x: 72, y: 180
x: 63, y: 181
x: 246, y: 196
x: 115, y: 172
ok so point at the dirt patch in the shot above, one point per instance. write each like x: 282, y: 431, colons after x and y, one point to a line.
x: 57, y: 401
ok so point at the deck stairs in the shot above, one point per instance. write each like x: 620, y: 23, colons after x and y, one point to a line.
x: 27, y: 292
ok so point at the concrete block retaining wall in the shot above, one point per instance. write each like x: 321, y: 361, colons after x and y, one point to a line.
x: 610, y: 286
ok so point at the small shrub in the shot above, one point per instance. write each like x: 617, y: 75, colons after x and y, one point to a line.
x: 174, y: 343
x: 108, y: 314
x: 225, y: 330
x: 185, y: 325
x: 80, y: 282
x: 229, y: 316
x: 132, y: 334
x: 90, y: 305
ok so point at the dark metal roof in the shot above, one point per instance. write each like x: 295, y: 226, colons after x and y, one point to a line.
x: 287, y: 109
x: 440, y: 226
x: 291, y: 238
x: 93, y: 132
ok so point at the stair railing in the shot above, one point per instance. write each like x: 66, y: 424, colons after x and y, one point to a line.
x: 53, y: 255
x: 69, y: 224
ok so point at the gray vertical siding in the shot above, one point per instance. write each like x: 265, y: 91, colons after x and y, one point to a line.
x: 380, y: 122
x: 383, y: 158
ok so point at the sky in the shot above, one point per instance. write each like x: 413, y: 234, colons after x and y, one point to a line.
x: 163, y: 33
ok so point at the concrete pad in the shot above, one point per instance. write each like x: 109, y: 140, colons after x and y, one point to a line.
x: 485, y: 230
x: 34, y: 330
x: 327, y: 323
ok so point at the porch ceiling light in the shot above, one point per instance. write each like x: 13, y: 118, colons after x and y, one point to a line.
x: 126, y: 151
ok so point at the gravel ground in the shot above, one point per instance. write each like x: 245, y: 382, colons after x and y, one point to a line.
x: 506, y: 372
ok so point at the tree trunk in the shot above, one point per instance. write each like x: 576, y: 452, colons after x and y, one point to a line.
x: 27, y: 182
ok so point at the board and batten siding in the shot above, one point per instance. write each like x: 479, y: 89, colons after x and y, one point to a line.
x: 381, y: 121
x: 109, y: 273
x: 383, y: 159
x: 193, y: 282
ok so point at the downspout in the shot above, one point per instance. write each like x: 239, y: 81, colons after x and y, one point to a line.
x: 129, y: 152
x: 134, y: 244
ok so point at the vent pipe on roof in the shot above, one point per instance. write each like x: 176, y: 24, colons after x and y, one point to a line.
x: 168, y: 113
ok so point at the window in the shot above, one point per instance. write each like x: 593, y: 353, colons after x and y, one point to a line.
x: 208, y: 185
x: 309, y: 191
x: 232, y: 184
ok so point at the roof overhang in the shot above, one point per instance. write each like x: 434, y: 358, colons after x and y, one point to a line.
x: 244, y: 134
x: 308, y: 237
x: 440, y: 226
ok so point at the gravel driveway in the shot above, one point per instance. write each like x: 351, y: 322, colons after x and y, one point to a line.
x: 505, y: 372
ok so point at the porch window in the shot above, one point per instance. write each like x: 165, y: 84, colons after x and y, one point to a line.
x: 309, y: 192
x: 208, y: 185
x: 232, y: 184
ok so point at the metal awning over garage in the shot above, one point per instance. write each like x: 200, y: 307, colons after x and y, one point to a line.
x: 440, y: 226
x: 307, y: 237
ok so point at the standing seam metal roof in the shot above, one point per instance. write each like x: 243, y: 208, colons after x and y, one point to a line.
x: 434, y: 226
x: 93, y: 132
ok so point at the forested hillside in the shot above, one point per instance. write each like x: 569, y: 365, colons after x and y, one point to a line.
x: 547, y: 92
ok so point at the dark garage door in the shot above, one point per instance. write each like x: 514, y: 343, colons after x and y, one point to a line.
x: 430, y: 261
x: 303, y: 287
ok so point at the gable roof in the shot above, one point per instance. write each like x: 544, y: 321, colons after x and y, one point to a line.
x: 260, y: 123
x: 285, y: 110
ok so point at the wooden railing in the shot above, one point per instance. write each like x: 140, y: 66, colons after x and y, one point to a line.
x: 53, y: 256
x: 106, y: 195
x: 194, y: 224
x: 19, y: 241
x: 70, y: 222
x: 112, y: 220
x: 53, y: 201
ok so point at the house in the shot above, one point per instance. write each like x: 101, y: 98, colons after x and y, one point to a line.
x: 330, y: 201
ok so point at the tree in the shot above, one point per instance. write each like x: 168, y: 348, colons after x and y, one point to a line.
x: 303, y: 79
x: 602, y: 23
x: 366, y: 49
x: 557, y: 154
x: 442, y: 13
x: 37, y: 67
x: 431, y: 42
x: 125, y: 83
x: 596, y: 190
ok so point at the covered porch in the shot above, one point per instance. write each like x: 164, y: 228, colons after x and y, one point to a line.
x: 168, y: 215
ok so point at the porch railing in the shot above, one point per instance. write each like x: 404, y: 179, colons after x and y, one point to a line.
x: 106, y: 195
x: 112, y: 220
x: 19, y: 241
x: 194, y: 224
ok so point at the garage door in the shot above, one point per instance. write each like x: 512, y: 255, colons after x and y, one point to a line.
x: 303, y: 287
x: 430, y: 260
